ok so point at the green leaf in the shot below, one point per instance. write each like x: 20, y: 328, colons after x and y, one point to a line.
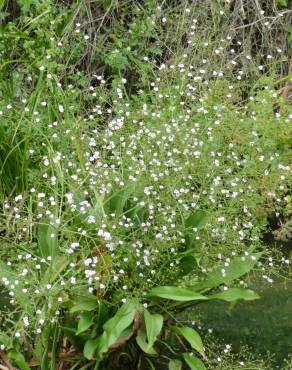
x: 282, y: 3
x: 194, y: 362
x: 25, y: 4
x: 174, y: 365
x: 141, y: 341
x: 153, y: 324
x: 234, y: 294
x: 47, y: 244
x: 102, y: 314
x: 18, y: 359
x: 107, y: 4
x: 4, y: 339
x: 122, y: 319
x: 97, y: 210
x: 176, y: 294
x: 115, y: 326
x: 238, y: 267
x: 86, y: 304
x: 197, y: 219
x: 118, y: 199
x: 118, y: 60
x: 77, y: 341
x: 187, y: 264
x: 90, y: 348
x: 192, y: 337
x: 85, y: 321
x: 3, y: 15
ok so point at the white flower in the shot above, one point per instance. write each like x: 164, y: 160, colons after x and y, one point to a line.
x: 25, y: 321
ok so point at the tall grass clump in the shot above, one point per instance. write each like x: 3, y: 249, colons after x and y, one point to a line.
x: 144, y: 150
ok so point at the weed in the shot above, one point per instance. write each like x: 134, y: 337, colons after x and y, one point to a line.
x: 143, y: 151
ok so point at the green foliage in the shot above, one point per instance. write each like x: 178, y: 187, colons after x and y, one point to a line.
x: 176, y: 294
x: 127, y: 321
x: 85, y: 321
x: 175, y: 365
x: 197, y: 219
x: 18, y: 359
x: 26, y: 4
x: 85, y: 304
x: 234, y: 294
x: 153, y: 326
x: 115, y: 326
x: 238, y: 267
x: 143, y: 154
x: 193, y: 362
x: 192, y: 337
x: 283, y: 3
x: 47, y: 241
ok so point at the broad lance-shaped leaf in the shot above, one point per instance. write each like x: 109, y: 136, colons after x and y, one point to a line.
x: 85, y: 321
x: 196, y: 219
x: 47, y: 244
x: 122, y: 319
x: 90, y: 348
x: 18, y: 359
x: 238, y: 267
x: 4, y: 339
x: 76, y: 340
x: 141, y: 341
x: 97, y: 210
x: 117, y: 200
x: 187, y: 264
x: 176, y: 294
x: 234, y: 294
x: 192, y: 337
x: 113, y: 329
x: 85, y: 304
x: 174, y: 365
x: 153, y: 325
x: 193, y: 362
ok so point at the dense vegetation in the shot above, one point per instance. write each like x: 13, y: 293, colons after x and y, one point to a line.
x: 145, y: 174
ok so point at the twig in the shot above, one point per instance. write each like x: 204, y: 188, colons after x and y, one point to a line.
x: 262, y: 19
x: 5, y: 360
x: 242, y: 9
x: 2, y: 367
